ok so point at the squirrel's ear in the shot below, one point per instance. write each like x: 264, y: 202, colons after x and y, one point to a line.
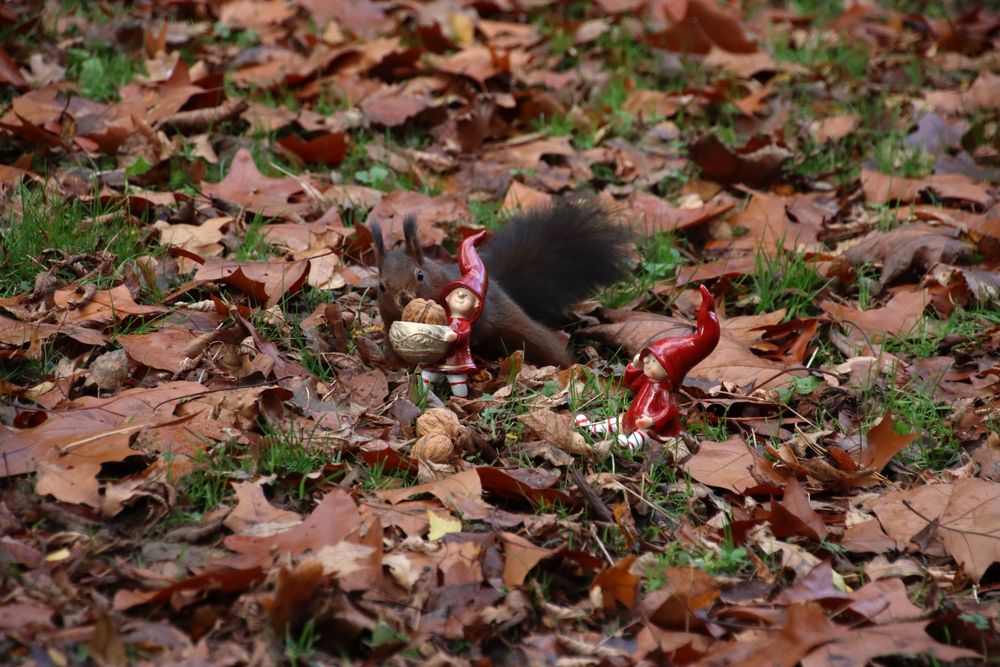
x: 413, y: 248
x: 378, y: 243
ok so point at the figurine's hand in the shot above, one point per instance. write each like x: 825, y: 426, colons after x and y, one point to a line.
x: 635, y: 360
x: 451, y: 337
x: 643, y: 422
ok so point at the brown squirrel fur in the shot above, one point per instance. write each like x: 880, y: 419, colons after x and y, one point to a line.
x: 540, y: 263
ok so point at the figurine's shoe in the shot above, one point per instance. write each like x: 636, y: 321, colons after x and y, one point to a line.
x: 633, y: 441
x: 582, y: 421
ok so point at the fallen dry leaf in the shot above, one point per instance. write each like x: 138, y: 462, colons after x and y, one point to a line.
x: 883, y: 188
x: 332, y: 520
x: 857, y: 647
x: 253, y: 514
x: 970, y: 525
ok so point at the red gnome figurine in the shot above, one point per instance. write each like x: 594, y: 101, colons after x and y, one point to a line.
x: 463, y: 301
x: 654, y: 413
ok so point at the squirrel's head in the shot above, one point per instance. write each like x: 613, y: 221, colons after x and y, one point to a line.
x: 401, y: 271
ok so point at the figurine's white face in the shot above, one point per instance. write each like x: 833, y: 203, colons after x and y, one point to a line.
x: 653, y: 369
x: 461, y: 302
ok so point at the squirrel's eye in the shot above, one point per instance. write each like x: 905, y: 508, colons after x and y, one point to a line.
x: 381, y: 287
x: 420, y: 275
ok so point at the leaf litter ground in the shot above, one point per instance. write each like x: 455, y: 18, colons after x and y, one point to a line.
x: 206, y: 459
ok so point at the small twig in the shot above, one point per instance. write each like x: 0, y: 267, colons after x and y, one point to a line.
x: 604, y: 550
x: 591, y: 496
x: 66, y: 449
x: 201, y: 119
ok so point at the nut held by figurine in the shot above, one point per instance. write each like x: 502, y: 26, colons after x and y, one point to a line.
x: 655, y: 373
x: 421, y: 336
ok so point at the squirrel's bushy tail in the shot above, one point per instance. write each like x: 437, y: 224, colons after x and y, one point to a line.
x: 550, y: 258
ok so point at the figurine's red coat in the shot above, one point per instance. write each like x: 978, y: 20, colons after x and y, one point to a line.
x: 458, y: 358
x: 654, y: 400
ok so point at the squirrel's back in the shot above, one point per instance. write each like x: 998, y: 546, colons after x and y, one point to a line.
x: 550, y: 258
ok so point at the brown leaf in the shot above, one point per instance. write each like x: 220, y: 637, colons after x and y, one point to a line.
x: 747, y: 329
x: 361, y: 16
x: 648, y: 104
x: 394, y: 105
x: 265, y: 282
x: 806, y: 628
x: 617, y: 584
x: 516, y: 485
x: 293, y: 589
x: 768, y: 227
x: 10, y: 73
x: 327, y: 149
x: 902, y: 513
x: 429, y: 212
x: 334, y: 518
x: 103, y: 307
x: 884, y: 601
x: 254, y: 514
x: 557, y: 428
x: 900, y: 316
x: 19, y: 334
x: 245, y: 186
x: 203, y: 240
x: 988, y: 458
x: 884, y: 188
x: 883, y: 443
x: 732, y: 268
x: 479, y: 62
x: 910, y: 247
x: 833, y: 128
x: 868, y: 537
x: 793, y: 515
x: 858, y: 647
x: 520, y: 556
x: 730, y: 464
x: 970, y: 525
x: 682, y: 601
x: 461, y: 493
x: 367, y: 389
x: 106, y: 647
x: 816, y: 586
x: 757, y: 164
x: 225, y: 581
x: 22, y: 619
x: 521, y: 197
x: 650, y: 214
x: 697, y: 26
x: 165, y: 349
x: 745, y: 65
x: 357, y: 563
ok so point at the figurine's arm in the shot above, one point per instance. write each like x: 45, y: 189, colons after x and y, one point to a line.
x: 634, y: 378
x: 664, y: 416
x: 461, y: 332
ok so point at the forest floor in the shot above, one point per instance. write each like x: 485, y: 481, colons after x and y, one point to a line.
x: 205, y: 458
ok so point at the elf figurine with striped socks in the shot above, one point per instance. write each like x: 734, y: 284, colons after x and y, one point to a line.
x: 654, y: 374
x: 463, y: 301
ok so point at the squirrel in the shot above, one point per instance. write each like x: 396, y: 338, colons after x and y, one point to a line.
x: 540, y: 263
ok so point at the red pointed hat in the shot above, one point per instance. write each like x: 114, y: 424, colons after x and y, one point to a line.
x: 473, y: 270
x: 679, y: 355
